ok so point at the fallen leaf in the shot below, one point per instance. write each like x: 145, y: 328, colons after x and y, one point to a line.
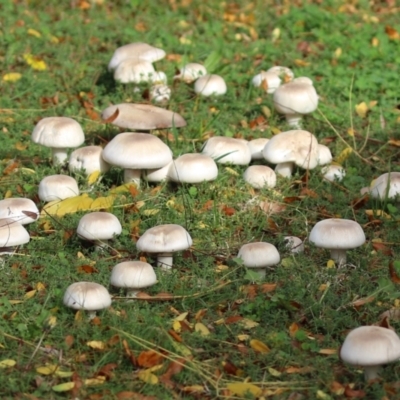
x: 93, y: 177
x: 148, y: 377
x: 243, y: 388
x: 7, y: 363
x: 344, y: 155
x: 328, y: 352
x: 64, y: 387
x: 362, y: 109
x: 393, y: 274
x: 392, y: 33
x: 12, y: 77
x: 96, y: 344
x: 201, y: 329
x: 259, y: 346
x: 112, y: 117
x: 149, y: 358
x: 99, y: 380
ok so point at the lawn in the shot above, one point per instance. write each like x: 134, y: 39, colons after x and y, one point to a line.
x: 209, y: 329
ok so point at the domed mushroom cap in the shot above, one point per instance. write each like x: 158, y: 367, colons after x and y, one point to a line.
x: 135, y: 150
x: 209, y: 85
x: 256, y: 147
x: 369, y: 346
x: 273, y: 78
x: 99, y: 226
x: 296, y: 97
x: 142, y: 116
x: 259, y: 176
x: 164, y: 238
x: 336, y: 233
x: 333, y: 173
x: 134, y: 71
x: 58, y: 132
x: 12, y: 233
x: 226, y: 150
x: 193, y: 168
x: 385, y: 186
x: 259, y: 255
x: 297, y: 146
x: 57, y: 187
x: 87, y: 296
x: 136, y: 51
x: 190, y: 72
x: 133, y: 274
x: 21, y: 210
x: 89, y: 159
x: 324, y: 155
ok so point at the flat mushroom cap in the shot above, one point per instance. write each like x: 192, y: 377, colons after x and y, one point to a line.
x: 209, y: 85
x: 12, y: 233
x: 21, y: 210
x: 298, y: 96
x: 386, y: 185
x: 135, y: 150
x: 297, y: 146
x: 336, y: 233
x: 136, y: 51
x: 133, y: 274
x: 58, y: 132
x: 88, y: 158
x: 259, y: 255
x: 193, y: 168
x: 164, y: 238
x: 142, y: 116
x: 57, y: 187
x: 227, y: 150
x: 99, y: 226
x: 368, y: 346
x: 89, y: 296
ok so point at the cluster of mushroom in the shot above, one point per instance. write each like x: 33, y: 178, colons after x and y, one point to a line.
x: 161, y: 240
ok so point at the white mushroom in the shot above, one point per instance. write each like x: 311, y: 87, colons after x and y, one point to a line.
x: 89, y: 159
x: 190, y: 72
x: 333, y: 173
x: 210, y: 85
x: 386, y: 186
x: 260, y: 176
x: 134, y: 71
x: 57, y: 187
x: 21, y: 210
x: 11, y: 234
x: 227, y: 150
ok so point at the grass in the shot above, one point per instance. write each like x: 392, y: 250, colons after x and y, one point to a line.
x: 351, y: 52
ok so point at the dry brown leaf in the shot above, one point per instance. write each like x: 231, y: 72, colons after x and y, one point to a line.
x: 149, y: 358
x: 112, y: 117
x: 392, y: 33
x: 393, y: 274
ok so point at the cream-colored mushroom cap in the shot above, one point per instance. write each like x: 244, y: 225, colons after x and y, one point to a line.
x: 57, y: 187
x: 193, y: 168
x: 386, y: 186
x: 260, y: 176
x: 89, y: 296
x: 12, y: 233
x: 99, y: 226
x: 136, y: 51
x: 227, y: 150
x: 209, y: 85
x: 333, y: 173
x: 89, y: 159
x: 21, y: 210
x: 142, y: 116
x: 259, y: 255
x: 190, y: 72
x: 134, y: 71
x: 256, y: 147
x: 133, y: 275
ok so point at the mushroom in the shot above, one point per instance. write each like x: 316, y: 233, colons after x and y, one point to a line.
x: 333, y: 173
x: 259, y: 256
x: 272, y: 78
x: 256, y: 147
x: 157, y: 174
x: 210, y: 85
x: 294, y: 244
x: 88, y: 159
x: 87, y: 296
x: 226, y: 150
x: 132, y: 276
x: 134, y: 71
x: 337, y: 235
x: 324, y: 155
x: 135, y: 151
x: 135, y: 51
x: 142, y: 117
x: 386, y: 186
x: 11, y: 234
x: 59, y: 133
x: 260, y: 176
x: 21, y: 210
x: 295, y: 99
x: 164, y: 240
x: 99, y: 227
x: 370, y: 347
x: 193, y: 168
x: 294, y: 147
x: 57, y: 187
x: 160, y: 93
x: 190, y: 72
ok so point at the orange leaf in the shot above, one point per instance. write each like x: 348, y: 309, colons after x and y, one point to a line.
x: 175, y: 336
x: 382, y: 248
x: 393, y: 274
x: 87, y: 269
x: 149, y: 358
x: 293, y: 328
x: 229, y: 211
x: 233, y: 319
x: 392, y: 33
x: 112, y: 117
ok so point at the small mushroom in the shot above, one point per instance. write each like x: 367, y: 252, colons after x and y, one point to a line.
x: 133, y: 276
x: 294, y: 244
x: 256, y: 147
x: 210, y: 85
x: 190, y: 72
x: 89, y: 159
x: 57, y: 187
x: 11, y: 234
x: 226, y: 150
x: 87, y: 296
x: 386, y: 186
x: 164, y: 240
x: 260, y: 176
x: 21, y: 210
x: 270, y: 80
x: 333, y: 173
x: 134, y: 71
x: 370, y: 347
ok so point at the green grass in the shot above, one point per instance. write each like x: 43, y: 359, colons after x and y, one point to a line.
x: 235, y: 41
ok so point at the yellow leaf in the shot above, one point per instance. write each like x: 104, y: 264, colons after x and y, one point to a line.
x: 8, y: 363
x: 330, y: 264
x: 15, y: 302
x: 64, y: 387
x: 180, y: 348
x: 201, y: 328
x: 20, y: 146
x: 63, y: 374
x: 243, y: 337
x: 99, y: 380
x: 40, y: 286
x: 30, y: 294
x: 54, y: 39
x: 350, y: 132
x: 344, y: 155
x: 301, y: 63
x: 259, y: 346
x: 362, y: 109
x: 181, y: 317
x: 67, y: 206
x: 375, y: 42
x: 148, y: 377
x: 47, y: 369
x: 275, y: 130
x: 248, y: 323
x: 338, y: 52
x: 102, y: 202
x: 8, y: 194
x: 96, y: 344
x: 51, y: 321
x: 27, y: 171
x: 150, y: 211
x: 12, y: 77
x: 241, y: 389
x: 231, y: 171
x: 34, y: 32
x: 377, y: 213
x: 123, y: 188
x: 274, y: 372
x: 92, y: 178
x: 328, y: 352
x: 34, y: 62
x: 275, y: 35
x: 176, y: 326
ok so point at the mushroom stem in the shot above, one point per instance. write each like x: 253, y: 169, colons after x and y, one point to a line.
x: 59, y: 155
x: 372, y: 372
x: 131, y: 292
x: 165, y: 261
x: 262, y: 272
x: 339, y: 256
x: 132, y: 176
x: 100, y: 245
x: 91, y: 315
x: 294, y: 120
x: 284, y: 169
